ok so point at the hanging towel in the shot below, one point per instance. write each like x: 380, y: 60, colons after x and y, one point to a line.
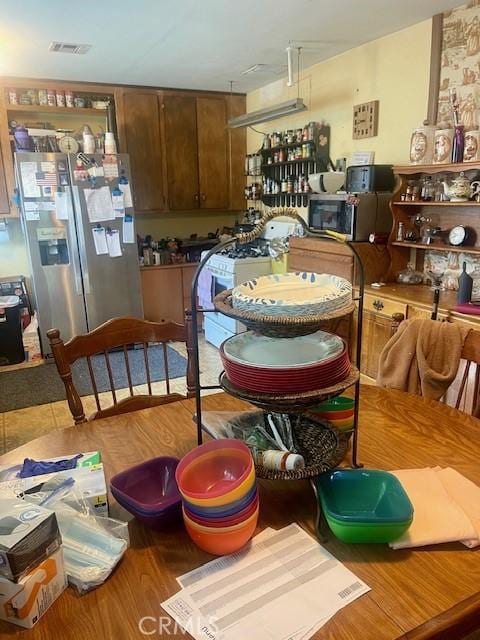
x: 205, y: 289
x: 422, y: 357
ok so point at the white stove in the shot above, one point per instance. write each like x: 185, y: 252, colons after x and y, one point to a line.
x: 228, y: 273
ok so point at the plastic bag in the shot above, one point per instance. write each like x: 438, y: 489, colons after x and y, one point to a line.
x: 260, y: 431
x: 92, y: 545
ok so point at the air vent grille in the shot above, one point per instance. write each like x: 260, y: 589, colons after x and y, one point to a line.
x: 69, y: 47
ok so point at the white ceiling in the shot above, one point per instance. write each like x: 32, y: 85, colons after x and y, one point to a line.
x: 196, y: 44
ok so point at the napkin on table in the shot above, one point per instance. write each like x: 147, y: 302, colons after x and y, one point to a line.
x: 442, y: 511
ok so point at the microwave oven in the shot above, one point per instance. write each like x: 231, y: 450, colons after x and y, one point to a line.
x: 355, y: 215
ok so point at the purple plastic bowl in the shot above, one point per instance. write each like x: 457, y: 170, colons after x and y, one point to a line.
x: 153, y: 520
x: 148, y: 488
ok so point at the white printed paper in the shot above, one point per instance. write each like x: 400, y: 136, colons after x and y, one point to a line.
x: 95, y: 172
x: 48, y: 166
x: 46, y: 205
x: 31, y: 210
x: 100, y: 240
x: 118, y: 204
x: 283, y: 585
x: 110, y: 167
x: 29, y: 180
x: 99, y: 204
x: 113, y: 243
x: 62, y: 205
x: 127, y: 230
x: 127, y: 194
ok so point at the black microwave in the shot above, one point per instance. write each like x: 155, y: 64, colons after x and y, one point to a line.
x: 354, y: 215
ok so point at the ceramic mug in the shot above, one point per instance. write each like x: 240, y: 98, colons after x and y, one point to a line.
x: 475, y: 187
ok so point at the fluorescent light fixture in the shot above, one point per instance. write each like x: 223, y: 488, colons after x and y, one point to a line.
x: 270, y: 113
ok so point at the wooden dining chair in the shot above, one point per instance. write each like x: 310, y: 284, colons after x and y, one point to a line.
x: 460, y: 391
x: 120, y: 334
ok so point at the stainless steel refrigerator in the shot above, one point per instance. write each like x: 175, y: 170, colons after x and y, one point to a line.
x: 77, y: 284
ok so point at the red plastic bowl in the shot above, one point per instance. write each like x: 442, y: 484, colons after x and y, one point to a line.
x: 214, y: 469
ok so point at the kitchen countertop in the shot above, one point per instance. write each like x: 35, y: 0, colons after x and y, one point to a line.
x: 179, y: 265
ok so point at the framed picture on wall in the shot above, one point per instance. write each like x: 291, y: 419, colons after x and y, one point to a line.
x: 455, y: 63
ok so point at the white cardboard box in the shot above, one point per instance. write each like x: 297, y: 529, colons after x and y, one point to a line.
x: 25, y: 602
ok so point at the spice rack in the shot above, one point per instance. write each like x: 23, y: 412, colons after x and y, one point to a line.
x: 286, y: 403
x: 287, y: 159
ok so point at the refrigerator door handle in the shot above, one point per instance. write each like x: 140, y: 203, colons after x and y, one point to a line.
x: 81, y: 240
x: 73, y: 250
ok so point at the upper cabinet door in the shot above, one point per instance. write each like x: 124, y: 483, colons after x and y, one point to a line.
x: 180, y: 117
x: 142, y: 132
x: 237, y: 139
x: 212, y: 153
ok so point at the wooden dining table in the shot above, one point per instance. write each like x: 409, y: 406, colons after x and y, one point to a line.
x: 431, y: 592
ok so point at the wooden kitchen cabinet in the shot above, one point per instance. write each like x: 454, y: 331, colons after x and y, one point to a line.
x: 180, y: 117
x: 143, y: 142
x: 237, y: 141
x: 212, y: 152
x: 4, y: 199
x: 166, y: 291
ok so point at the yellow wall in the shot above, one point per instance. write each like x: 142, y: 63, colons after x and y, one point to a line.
x: 393, y: 70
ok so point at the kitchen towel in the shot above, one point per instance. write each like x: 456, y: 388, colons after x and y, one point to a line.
x: 422, y: 357
x: 445, y: 508
x: 205, y: 289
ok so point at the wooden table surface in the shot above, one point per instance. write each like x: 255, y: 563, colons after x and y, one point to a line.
x: 416, y: 594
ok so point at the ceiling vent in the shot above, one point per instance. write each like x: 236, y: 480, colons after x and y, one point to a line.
x: 69, y: 47
x: 270, y: 69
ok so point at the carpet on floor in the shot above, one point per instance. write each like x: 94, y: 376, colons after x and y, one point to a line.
x: 42, y: 384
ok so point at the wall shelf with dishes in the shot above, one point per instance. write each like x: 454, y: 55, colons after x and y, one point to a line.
x: 38, y: 118
x: 290, y: 330
x: 435, y: 208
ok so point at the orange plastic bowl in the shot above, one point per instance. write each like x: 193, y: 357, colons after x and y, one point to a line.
x: 235, y: 527
x: 216, y: 473
x: 220, y: 544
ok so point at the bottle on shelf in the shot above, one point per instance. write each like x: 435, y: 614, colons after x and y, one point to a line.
x: 401, y: 232
x: 465, y: 286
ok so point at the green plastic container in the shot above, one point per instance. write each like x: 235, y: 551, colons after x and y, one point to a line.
x: 339, y: 403
x: 363, y: 505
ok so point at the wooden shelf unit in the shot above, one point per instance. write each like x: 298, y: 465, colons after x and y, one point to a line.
x: 443, y: 214
x: 41, y: 108
x: 437, y: 247
x: 446, y: 203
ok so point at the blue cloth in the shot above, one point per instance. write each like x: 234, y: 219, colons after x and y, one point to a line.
x: 40, y: 467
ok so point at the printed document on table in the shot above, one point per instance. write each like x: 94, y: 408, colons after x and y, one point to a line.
x: 285, y: 586
x: 99, y: 204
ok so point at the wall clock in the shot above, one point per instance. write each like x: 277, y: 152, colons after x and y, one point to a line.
x: 365, y: 119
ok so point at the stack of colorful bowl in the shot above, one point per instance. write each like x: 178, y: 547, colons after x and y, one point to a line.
x: 220, y: 496
x: 338, y: 411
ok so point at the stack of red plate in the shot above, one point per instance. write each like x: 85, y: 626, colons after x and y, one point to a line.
x: 292, y: 378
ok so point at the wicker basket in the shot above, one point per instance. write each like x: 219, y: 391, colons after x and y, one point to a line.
x: 322, y: 446
x: 278, y: 326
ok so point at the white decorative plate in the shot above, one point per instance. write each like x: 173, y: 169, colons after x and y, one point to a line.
x: 250, y: 348
x: 293, y: 294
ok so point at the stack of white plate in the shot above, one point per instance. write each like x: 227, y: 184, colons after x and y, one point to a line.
x: 293, y: 294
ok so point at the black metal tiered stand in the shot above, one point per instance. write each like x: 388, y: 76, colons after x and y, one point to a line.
x: 294, y: 403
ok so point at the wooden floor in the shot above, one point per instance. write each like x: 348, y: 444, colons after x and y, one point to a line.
x: 22, y: 425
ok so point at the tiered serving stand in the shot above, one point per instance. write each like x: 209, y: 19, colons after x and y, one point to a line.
x: 322, y: 445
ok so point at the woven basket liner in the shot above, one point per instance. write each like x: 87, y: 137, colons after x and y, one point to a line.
x: 322, y: 446
x: 277, y: 326
x: 286, y: 402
